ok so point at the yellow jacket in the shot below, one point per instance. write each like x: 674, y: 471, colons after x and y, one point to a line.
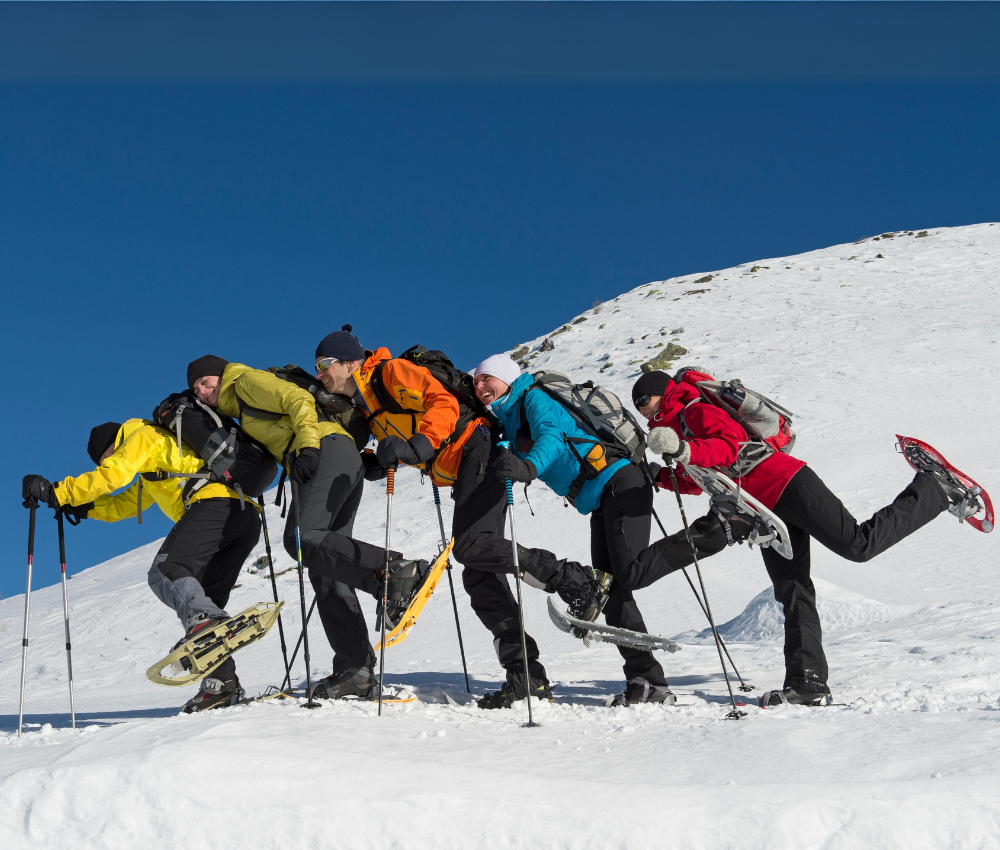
x: 139, y: 447
x: 266, y: 391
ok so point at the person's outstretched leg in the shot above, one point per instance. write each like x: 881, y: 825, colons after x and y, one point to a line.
x: 808, y: 503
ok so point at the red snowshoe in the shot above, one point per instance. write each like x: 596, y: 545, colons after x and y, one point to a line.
x: 968, y: 499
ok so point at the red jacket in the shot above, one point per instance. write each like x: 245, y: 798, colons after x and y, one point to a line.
x: 715, y: 439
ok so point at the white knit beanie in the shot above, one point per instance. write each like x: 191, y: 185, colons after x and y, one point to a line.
x: 499, y: 366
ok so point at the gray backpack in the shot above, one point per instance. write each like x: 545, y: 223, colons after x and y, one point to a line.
x: 598, y: 412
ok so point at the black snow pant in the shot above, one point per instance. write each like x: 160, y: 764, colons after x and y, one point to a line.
x: 809, y: 509
x: 337, y: 563
x: 619, y: 532
x: 485, y: 554
x: 201, y: 558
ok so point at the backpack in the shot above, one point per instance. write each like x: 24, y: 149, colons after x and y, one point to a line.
x: 232, y: 457
x: 598, y: 412
x: 768, y: 424
x: 453, y: 379
x: 330, y: 407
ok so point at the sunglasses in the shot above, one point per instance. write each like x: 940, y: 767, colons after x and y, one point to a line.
x: 642, y: 401
x: 325, y: 363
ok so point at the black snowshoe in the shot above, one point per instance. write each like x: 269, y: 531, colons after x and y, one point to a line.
x: 361, y: 683
x: 215, y: 693
x: 588, y: 602
x: 640, y: 690
x: 792, y: 696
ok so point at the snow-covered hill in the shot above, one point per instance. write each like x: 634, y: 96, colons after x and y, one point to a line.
x: 895, y: 334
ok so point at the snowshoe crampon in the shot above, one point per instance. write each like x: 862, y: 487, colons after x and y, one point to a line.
x: 601, y: 633
x: 977, y: 509
x: 769, y: 531
x: 196, y: 658
x: 420, y: 599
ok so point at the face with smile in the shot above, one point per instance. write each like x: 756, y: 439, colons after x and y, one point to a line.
x: 651, y: 406
x: 489, y: 388
x: 207, y: 390
x: 336, y: 377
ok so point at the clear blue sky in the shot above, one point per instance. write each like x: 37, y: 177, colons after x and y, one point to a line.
x: 464, y: 177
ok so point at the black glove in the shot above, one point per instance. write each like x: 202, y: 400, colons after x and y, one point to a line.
x: 304, y: 466
x: 75, y: 514
x: 395, y: 450
x: 509, y: 465
x: 35, y: 489
x: 422, y: 447
x: 374, y: 471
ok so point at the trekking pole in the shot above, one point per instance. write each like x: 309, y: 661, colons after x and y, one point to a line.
x: 390, y: 487
x: 69, y: 655
x: 451, y: 584
x: 274, y: 589
x: 32, y: 505
x: 743, y: 685
x: 509, y: 489
x: 735, y: 714
x: 302, y: 594
x: 298, y: 643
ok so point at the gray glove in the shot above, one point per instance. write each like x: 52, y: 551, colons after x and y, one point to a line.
x: 664, y: 441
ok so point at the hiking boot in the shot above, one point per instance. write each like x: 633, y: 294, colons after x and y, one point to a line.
x: 513, y: 691
x: 792, y: 696
x: 640, y: 690
x: 406, y: 577
x: 215, y: 693
x: 350, y: 683
x: 963, y: 501
x: 587, y: 603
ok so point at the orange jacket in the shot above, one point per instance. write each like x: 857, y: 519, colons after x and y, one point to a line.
x: 428, y: 408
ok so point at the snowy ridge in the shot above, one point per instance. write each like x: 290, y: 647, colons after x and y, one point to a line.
x: 860, y: 347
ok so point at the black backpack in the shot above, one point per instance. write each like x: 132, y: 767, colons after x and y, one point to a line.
x: 232, y: 457
x: 330, y: 407
x: 453, y: 379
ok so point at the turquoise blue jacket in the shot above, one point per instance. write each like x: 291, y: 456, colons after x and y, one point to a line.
x: 550, y: 424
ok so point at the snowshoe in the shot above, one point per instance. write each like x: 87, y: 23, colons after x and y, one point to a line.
x: 965, y: 496
x: 603, y: 633
x: 640, y: 690
x: 417, y: 600
x: 513, y: 691
x: 791, y: 696
x: 350, y: 683
x: 209, y: 643
x: 215, y: 693
x: 729, y: 498
x: 405, y: 578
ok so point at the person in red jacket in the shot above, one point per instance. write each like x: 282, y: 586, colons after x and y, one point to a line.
x: 687, y: 430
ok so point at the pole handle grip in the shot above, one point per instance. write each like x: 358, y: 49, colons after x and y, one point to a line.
x: 390, y: 480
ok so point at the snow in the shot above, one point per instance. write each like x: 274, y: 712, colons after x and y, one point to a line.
x: 860, y: 348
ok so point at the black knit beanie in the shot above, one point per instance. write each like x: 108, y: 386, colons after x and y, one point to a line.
x: 341, y: 345
x: 652, y: 383
x: 100, y: 438
x: 205, y: 366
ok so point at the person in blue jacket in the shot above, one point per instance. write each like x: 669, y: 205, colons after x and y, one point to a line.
x: 619, y: 500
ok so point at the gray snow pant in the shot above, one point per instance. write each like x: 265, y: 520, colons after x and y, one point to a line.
x: 201, y: 558
x: 337, y: 563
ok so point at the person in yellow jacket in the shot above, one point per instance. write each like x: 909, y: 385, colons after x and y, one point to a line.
x: 196, y: 567
x: 326, y: 465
